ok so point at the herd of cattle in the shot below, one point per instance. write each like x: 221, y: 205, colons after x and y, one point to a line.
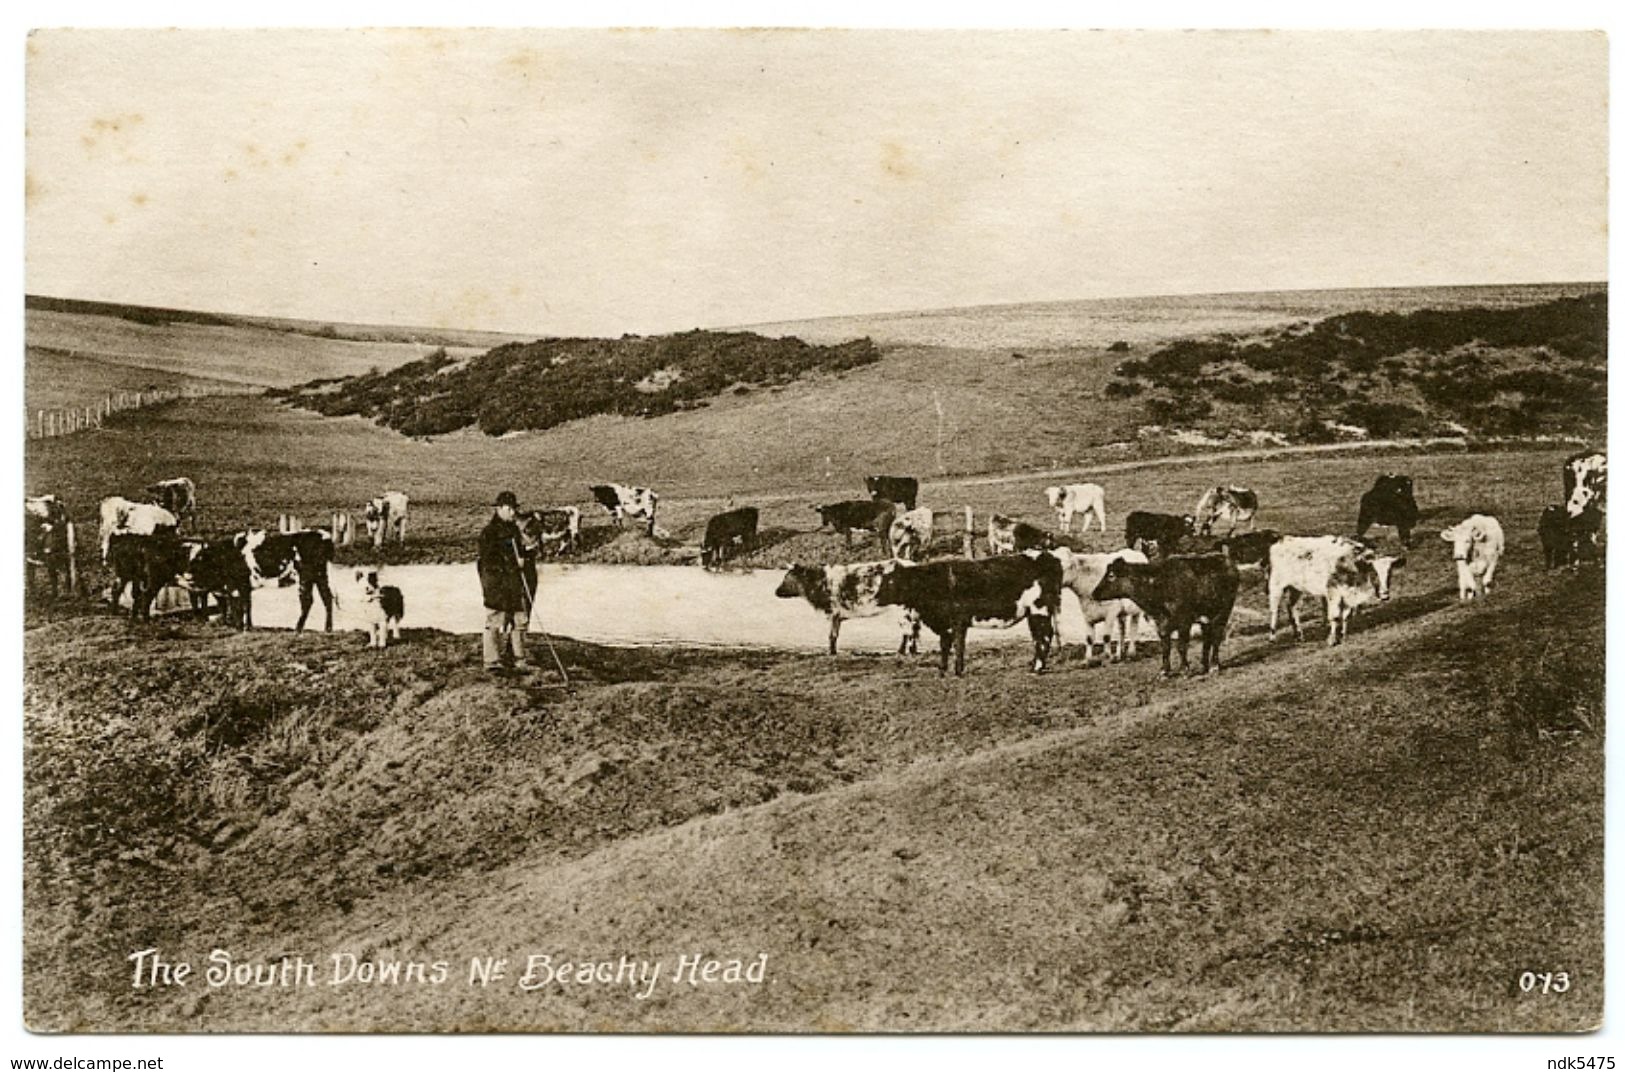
x: 1174, y: 569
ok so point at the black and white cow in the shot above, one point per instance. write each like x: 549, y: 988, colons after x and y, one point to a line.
x: 902, y: 490
x: 124, y: 517
x: 1347, y: 574
x: 725, y: 531
x: 1178, y: 592
x: 49, y: 542
x: 146, y: 564
x: 623, y: 502
x: 855, y: 515
x: 385, y: 517
x: 1391, y: 500
x: 1143, y: 527
x: 303, y: 555
x: 842, y: 592
x: 1006, y: 535
x: 178, y: 495
x: 952, y: 595
x: 555, y: 527
x: 225, y: 570
x: 1585, y: 500
x: 1225, y: 503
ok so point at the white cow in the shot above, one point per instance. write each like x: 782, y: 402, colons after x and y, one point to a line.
x: 386, y: 516
x: 911, y: 534
x: 1086, y: 499
x: 843, y: 592
x: 1346, y: 573
x: 1102, y: 618
x: 1476, y: 545
x: 120, y: 516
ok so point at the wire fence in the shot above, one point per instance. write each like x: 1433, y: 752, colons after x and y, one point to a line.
x: 48, y: 423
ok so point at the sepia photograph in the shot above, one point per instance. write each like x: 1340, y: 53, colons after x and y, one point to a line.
x: 813, y: 531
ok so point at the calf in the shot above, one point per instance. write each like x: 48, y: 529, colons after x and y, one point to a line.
x: 952, y: 595
x: 177, y: 495
x: 623, y: 502
x: 724, y: 531
x: 48, y: 542
x: 304, y: 555
x: 123, y: 517
x: 1006, y: 535
x: 1143, y: 526
x: 843, y: 592
x: 910, y: 534
x: 1178, y: 592
x: 385, y: 517
x: 859, y: 514
x: 902, y: 490
x: 383, y: 606
x: 1345, y: 573
x: 1222, y: 503
x: 1391, y: 500
x: 1476, y: 545
x: 1082, y: 573
x: 1069, y: 499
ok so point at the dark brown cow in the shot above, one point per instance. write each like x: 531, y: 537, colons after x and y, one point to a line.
x: 1178, y: 592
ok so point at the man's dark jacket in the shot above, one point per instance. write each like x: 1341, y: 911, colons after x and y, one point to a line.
x: 500, y: 569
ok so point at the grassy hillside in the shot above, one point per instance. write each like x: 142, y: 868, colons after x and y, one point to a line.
x: 1517, y: 371
x: 525, y: 387
x: 1378, y: 837
x: 56, y: 379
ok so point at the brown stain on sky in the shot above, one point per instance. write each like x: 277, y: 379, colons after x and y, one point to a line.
x: 894, y: 161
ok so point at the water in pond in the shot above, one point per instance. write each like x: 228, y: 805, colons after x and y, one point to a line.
x: 624, y: 605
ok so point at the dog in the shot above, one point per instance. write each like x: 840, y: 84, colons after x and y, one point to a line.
x: 385, y: 607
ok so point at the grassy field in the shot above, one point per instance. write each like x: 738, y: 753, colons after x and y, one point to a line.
x: 1382, y: 836
x: 57, y: 379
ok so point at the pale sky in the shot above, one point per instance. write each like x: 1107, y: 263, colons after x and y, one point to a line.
x: 600, y: 181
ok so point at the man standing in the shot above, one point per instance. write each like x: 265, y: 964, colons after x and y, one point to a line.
x: 508, y: 578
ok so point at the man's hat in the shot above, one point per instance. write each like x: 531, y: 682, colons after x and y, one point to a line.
x: 508, y: 498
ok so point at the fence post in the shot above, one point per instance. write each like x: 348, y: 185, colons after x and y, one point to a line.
x: 970, y: 533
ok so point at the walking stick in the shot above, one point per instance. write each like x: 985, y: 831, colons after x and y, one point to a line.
x: 537, y: 618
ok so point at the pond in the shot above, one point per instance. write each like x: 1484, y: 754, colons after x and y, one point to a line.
x: 622, y: 605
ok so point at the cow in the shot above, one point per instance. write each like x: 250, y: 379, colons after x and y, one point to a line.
x: 1346, y: 573
x: 623, y: 502
x: 1006, y: 535
x: 49, y: 542
x: 1585, y: 481
x: 178, y: 495
x: 124, y: 517
x: 910, y: 534
x: 1391, y: 500
x: 1557, y: 540
x: 952, y: 595
x: 859, y: 514
x: 1225, y: 503
x: 303, y: 555
x: 1143, y: 526
x: 1476, y: 544
x: 724, y: 531
x: 146, y: 563
x: 1178, y: 592
x: 843, y: 592
x: 225, y: 569
x: 1069, y: 499
x: 559, y: 525
x: 385, y: 516
x: 1249, y: 550
x: 1081, y: 572
x: 902, y: 490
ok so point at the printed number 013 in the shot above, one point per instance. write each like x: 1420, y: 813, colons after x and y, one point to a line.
x: 1546, y: 982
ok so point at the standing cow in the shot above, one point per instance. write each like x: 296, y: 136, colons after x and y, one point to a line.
x: 726, y: 531
x: 120, y: 516
x: 49, y: 542
x: 1006, y: 535
x: 1222, y: 503
x: 1178, y: 592
x: 842, y: 592
x: 1345, y: 573
x: 1391, y: 500
x: 386, y: 517
x: 911, y: 533
x: 1069, y: 499
x: 952, y: 595
x: 306, y: 556
x: 1143, y: 527
x: 902, y: 490
x: 623, y: 502
x: 178, y: 495
x: 859, y: 515
x: 1113, y: 623
x: 1476, y: 544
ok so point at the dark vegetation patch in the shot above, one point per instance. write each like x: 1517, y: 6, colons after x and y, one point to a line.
x: 532, y: 386
x: 1514, y: 371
